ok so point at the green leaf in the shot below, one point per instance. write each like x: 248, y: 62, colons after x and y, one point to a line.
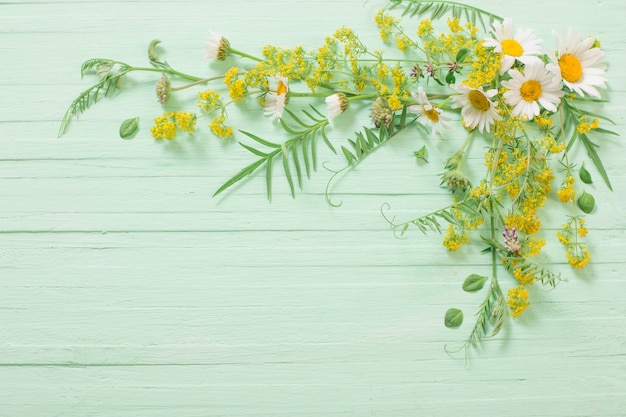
x: 474, y: 282
x: 461, y: 55
x: 586, y: 202
x: 450, y: 78
x: 453, y: 318
x: 129, y: 127
x: 421, y: 153
x: 589, y: 145
x: 585, y: 176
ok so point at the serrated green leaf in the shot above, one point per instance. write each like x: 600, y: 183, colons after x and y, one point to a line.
x: 129, y: 127
x: 474, y: 282
x: 453, y: 318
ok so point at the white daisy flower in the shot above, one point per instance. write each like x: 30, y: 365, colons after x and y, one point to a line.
x: 476, y: 108
x: 527, y: 91
x: 524, y: 46
x: 336, y: 104
x: 428, y: 114
x: 216, y: 47
x: 578, y: 63
x: 276, y: 97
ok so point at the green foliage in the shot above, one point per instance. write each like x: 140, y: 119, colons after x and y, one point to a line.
x: 110, y: 73
x: 436, y: 9
x: 453, y: 318
x: 367, y: 142
x: 573, y: 115
x: 299, y: 150
x: 474, y: 282
x: 129, y: 127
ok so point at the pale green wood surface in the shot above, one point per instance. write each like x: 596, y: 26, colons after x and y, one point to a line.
x: 128, y: 291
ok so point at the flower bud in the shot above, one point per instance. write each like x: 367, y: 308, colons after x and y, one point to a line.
x: 336, y: 104
x: 381, y: 112
x: 455, y: 180
x: 217, y: 47
x: 163, y: 89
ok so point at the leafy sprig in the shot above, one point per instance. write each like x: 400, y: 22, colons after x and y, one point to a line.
x: 301, y: 146
x: 436, y: 9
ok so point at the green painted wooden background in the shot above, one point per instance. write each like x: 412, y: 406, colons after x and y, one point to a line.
x: 127, y: 291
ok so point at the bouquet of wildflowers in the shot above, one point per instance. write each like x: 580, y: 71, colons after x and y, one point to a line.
x: 528, y: 102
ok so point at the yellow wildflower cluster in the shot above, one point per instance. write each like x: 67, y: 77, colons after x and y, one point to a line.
x: 552, y: 146
x: 571, y: 236
x: 485, y: 66
x: 586, y: 126
x: 523, y: 277
x: 578, y: 256
x: 454, y: 240
x: 168, y: 124
x: 567, y: 192
x: 517, y: 299
x: 219, y: 129
x: 236, y: 86
x: 425, y: 28
x: 209, y: 100
x: 386, y: 23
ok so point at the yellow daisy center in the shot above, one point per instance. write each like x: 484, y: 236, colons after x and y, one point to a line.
x: 431, y: 113
x: 512, y: 47
x: 479, y: 100
x: 530, y: 90
x: 571, y: 68
x: 281, y: 89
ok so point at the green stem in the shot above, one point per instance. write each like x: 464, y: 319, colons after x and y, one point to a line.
x: 244, y: 55
x: 200, y: 81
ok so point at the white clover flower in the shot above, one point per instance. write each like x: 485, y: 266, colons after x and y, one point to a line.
x: 216, y: 47
x: 428, y: 113
x: 276, y: 97
x: 578, y: 63
x: 536, y: 86
x: 477, y: 109
x: 524, y: 46
x: 336, y: 104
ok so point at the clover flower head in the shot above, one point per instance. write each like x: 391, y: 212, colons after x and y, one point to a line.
x: 381, y: 112
x: 511, y: 240
x: 163, y: 89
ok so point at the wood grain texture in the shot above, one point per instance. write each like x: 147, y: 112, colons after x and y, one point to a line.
x: 128, y: 291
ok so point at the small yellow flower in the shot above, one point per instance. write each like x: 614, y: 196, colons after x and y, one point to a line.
x: 517, y: 299
x: 219, y: 129
x: 567, y: 192
x: 425, y: 28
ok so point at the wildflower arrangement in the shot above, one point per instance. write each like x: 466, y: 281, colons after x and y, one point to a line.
x: 525, y: 101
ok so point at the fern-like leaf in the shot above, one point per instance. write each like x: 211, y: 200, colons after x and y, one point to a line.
x: 436, y: 9
x: 300, y: 149
x: 108, y: 84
